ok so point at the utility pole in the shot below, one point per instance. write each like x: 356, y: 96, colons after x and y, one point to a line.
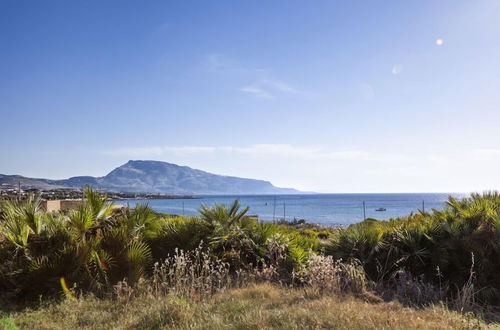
x: 284, y: 210
x: 364, y: 210
x: 274, y: 209
x: 423, y: 206
x: 182, y: 208
x: 19, y: 190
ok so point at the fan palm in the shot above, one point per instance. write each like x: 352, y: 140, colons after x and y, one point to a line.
x: 19, y: 219
x: 184, y: 233
x: 221, y: 216
x: 227, y: 223
x: 229, y: 232
x: 141, y: 221
x: 98, y: 205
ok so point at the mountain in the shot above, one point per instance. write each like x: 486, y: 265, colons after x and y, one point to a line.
x: 146, y: 176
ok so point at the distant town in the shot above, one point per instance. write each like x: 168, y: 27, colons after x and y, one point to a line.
x: 12, y: 192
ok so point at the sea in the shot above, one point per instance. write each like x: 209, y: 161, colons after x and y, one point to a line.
x: 323, y: 209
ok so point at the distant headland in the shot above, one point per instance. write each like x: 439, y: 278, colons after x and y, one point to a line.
x: 152, y: 177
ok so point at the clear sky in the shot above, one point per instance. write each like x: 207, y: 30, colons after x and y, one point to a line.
x: 327, y: 96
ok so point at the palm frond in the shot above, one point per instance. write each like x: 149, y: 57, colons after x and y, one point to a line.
x: 138, y: 257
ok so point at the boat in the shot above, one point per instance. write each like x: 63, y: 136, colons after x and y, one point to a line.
x: 381, y: 209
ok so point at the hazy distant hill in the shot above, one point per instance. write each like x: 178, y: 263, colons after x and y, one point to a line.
x: 13, y: 180
x: 158, y: 177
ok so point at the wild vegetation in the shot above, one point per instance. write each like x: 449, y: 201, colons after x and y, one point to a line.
x: 94, y: 257
x: 456, y: 250
x: 93, y: 248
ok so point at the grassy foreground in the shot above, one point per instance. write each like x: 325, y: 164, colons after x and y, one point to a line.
x: 262, y: 306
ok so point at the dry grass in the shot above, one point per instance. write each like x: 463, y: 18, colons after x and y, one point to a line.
x: 261, y: 306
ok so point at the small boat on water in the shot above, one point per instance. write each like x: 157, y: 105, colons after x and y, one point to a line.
x: 381, y: 209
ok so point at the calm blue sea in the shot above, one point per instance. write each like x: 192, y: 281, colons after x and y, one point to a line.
x: 325, y: 209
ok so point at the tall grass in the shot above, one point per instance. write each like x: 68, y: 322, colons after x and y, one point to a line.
x: 261, y: 306
x: 192, y: 274
x: 325, y: 274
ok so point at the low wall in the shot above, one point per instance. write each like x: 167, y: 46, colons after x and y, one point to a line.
x: 61, y: 205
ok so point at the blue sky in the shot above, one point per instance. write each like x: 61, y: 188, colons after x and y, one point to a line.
x: 328, y: 96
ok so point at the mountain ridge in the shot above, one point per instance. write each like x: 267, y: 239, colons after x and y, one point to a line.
x: 149, y: 176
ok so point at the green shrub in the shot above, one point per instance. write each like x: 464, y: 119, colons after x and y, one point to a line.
x: 434, y: 247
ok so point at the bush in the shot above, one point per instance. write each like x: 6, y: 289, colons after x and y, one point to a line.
x: 422, y: 243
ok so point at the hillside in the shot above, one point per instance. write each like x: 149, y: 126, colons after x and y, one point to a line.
x: 13, y: 180
x: 156, y: 177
